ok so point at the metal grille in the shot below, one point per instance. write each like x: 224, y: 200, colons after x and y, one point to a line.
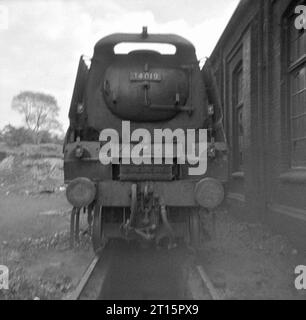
x: 146, y: 173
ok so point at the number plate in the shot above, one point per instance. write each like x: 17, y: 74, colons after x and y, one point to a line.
x: 145, y: 76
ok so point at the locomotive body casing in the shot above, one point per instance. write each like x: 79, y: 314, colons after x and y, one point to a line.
x: 125, y: 82
x: 151, y: 91
x: 100, y: 113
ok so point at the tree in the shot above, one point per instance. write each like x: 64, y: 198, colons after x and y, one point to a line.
x: 40, y: 112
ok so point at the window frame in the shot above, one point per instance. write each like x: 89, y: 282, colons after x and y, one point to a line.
x: 291, y: 68
x: 238, y: 163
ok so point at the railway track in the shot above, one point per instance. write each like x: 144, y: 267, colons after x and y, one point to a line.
x: 126, y: 273
x: 93, y: 279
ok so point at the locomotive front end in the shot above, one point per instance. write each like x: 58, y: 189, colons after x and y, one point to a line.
x: 141, y: 125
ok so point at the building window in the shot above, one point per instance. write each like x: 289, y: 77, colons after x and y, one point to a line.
x: 238, y: 126
x: 297, y: 74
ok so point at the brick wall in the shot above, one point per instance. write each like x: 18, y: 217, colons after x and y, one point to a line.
x: 265, y: 191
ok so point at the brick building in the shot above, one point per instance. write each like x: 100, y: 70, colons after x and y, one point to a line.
x: 260, y: 66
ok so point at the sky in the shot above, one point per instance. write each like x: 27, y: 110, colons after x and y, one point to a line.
x: 41, y: 40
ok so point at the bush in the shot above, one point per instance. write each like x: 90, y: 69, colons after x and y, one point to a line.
x: 47, y: 137
x: 15, y: 137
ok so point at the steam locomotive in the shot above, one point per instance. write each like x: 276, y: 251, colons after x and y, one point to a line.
x: 149, y: 202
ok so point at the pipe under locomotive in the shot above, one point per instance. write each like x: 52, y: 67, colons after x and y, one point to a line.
x: 150, y: 90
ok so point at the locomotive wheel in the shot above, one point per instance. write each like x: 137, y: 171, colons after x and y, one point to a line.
x: 97, y: 229
x: 195, y: 229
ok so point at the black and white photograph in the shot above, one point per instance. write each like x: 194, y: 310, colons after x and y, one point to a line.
x: 152, y: 153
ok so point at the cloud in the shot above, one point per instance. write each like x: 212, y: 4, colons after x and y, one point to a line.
x: 41, y: 47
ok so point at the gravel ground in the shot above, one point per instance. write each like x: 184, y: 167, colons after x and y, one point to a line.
x: 34, y: 244
x: 43, y: 269
x: 247, y: 261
